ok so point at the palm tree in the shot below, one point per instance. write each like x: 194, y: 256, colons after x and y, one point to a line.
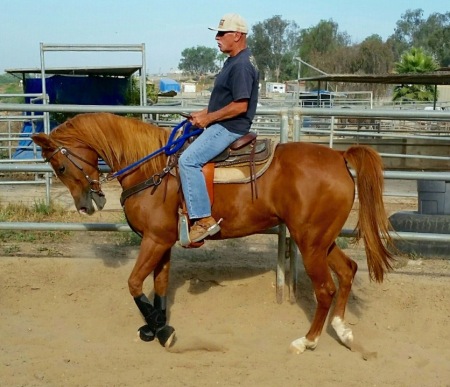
x: 415, y: 61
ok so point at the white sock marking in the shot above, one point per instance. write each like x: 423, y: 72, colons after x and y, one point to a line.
x: 344, y: 333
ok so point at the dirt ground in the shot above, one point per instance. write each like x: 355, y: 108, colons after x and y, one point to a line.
x: 67, y: 319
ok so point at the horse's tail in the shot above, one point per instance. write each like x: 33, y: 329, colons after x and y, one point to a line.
x: 373, y: 224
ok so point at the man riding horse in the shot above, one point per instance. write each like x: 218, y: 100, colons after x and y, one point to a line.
x: 228, y: 117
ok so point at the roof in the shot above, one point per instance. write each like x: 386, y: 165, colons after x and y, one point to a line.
x: 123, y: 71
x: 168, y: 81
x: 441, y: 77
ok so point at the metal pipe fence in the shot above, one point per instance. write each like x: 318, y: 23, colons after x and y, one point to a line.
x: 287, y: 118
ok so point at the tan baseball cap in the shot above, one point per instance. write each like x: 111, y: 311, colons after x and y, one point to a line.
x: 231, y: 22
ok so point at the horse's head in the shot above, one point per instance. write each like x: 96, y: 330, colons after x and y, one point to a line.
x: 77, y: 168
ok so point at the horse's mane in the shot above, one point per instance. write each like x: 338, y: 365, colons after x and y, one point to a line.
x: 120, y: 141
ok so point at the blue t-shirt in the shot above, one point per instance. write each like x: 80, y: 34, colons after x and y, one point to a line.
x: 238, y: 79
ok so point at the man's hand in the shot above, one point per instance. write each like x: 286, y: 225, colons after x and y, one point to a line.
x: 200, y: 119
x: 203, y: 119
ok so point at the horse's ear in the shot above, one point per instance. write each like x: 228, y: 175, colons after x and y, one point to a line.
x: 44, y: 141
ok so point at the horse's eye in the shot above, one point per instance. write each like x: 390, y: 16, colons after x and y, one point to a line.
x: 61, y: 170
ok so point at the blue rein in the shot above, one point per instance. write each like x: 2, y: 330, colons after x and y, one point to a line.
x: 173, y: 145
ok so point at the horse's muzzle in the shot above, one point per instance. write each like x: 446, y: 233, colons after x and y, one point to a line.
x: 99, y: 199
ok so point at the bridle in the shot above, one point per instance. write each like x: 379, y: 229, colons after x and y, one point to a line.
x: 70, y: 155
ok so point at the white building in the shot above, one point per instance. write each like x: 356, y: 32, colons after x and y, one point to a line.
x: 188, y: 87
x: 274, y: 87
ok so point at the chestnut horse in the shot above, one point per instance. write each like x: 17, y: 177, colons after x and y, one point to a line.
x: 307, y: 186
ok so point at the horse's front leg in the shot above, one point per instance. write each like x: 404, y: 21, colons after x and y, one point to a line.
x: 161, y: 283
x: 151, y: 256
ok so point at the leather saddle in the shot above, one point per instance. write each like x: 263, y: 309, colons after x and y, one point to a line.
x: 245, y: 150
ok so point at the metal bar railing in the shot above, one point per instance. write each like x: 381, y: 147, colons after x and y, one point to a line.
x: 285, y: 245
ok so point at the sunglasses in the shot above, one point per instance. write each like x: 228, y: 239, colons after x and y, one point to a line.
x: 222, y: 33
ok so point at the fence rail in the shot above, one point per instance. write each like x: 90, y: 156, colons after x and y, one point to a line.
x: 287, y: 250
x: 284, y: 115
x: 121, y: 227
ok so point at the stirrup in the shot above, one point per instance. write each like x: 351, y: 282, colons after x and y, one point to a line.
x: 183, y: 229
x: 183, y: 232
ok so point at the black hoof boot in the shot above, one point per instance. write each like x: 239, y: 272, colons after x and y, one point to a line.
x: 165, y: 335
x: 156, y: 321
x: 146, y: 333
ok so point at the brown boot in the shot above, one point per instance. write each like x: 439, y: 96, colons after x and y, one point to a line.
x: 203, y: 228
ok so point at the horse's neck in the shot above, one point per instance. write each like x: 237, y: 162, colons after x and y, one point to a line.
x: 143, y: 165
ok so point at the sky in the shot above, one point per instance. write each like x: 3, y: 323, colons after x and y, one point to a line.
x: 167, y: 27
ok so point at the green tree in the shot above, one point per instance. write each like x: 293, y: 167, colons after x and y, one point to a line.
x: 10, y: 84
x: 7, y: 78
x: 415, y: 61
x: 259, y: 44
x: 374, y: 56
x: 198, y: 61
x: 432, y: 34
x: 319, y: 44
x: 408, y: 27
x: 323, y: 37
x: 272, y: 44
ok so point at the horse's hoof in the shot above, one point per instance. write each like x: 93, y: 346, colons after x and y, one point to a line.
x: 165, y: 336
x: 146, y: 333
x: 300, y: 345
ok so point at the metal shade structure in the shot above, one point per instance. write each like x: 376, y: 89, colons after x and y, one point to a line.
x: 435, y: 78
x: 441, y: 77
x: 117, y: 71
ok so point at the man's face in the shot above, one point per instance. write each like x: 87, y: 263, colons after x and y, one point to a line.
x: 226, y: 40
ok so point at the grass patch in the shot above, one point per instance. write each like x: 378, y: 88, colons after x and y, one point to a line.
x: 39, y: 212
x: 9, y: 250
x: 127, y: 238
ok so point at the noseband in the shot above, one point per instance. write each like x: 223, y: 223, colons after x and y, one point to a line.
x: 70, y: 155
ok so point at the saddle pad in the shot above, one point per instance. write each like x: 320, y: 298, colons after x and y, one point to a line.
x: 241, y: 174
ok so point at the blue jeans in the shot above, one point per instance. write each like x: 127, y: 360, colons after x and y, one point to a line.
x: 208, y: 145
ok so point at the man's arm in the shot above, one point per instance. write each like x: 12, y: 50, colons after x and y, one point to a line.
x: 202, y: 119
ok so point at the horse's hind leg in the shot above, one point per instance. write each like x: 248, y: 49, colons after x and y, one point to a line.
x: 316, y: 266
x: 345, y: 269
